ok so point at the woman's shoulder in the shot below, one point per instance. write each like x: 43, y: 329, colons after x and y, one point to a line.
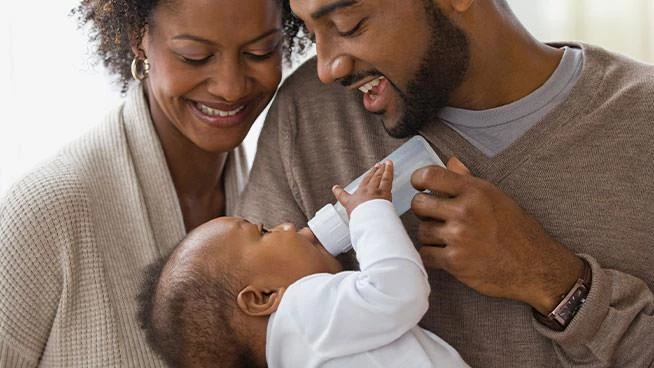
x: 58, y: 186
x: 47, y: 195
x: 42, y: 216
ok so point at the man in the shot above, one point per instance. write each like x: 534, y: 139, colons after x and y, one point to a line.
x: 541, y: 254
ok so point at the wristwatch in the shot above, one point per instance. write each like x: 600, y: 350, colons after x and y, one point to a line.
x: 559, y: 318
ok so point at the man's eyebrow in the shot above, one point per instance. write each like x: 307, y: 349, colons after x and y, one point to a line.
x: 329, y: 8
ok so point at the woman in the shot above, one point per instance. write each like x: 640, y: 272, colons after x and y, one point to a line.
x: 76, y: 233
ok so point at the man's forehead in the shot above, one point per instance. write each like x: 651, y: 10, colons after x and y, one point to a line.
x: 317, y: 9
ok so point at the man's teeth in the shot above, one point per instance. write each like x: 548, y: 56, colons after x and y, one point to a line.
x: 370, y: 85
x: 220, y: 113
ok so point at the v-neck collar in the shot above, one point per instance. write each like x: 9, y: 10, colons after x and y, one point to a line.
x: 163, y: 207
x: 164, y: 211
x: 447, y: 142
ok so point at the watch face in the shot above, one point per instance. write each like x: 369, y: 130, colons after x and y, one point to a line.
x: 564, y: 313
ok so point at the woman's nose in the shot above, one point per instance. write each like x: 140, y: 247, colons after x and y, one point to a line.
x: 228, y: 81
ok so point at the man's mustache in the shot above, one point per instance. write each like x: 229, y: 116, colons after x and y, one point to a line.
x: 352, y: 79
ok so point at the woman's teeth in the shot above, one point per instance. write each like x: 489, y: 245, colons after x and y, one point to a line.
x: 219, y: 113
x: 370, y: 85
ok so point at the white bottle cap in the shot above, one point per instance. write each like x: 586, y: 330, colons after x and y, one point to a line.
x: 331, y: 230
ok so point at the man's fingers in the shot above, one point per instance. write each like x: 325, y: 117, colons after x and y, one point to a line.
x: 432, y: 256
x: 436, y: 251
x: 455, y: 165
x: 439, y: 179
x: 431, y: 206
x: 430, y: 232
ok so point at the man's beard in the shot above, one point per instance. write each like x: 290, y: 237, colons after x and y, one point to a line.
x: 441, y: 71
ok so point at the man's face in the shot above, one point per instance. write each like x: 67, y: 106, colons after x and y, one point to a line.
x: 405, y: 56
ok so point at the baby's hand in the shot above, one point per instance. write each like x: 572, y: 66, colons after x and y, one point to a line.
x: 376, y: 184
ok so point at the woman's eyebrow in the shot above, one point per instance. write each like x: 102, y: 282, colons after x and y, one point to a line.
x: 191, y: 37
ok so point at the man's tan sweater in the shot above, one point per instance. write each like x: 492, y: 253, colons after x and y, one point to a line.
x: 75, y: 235
x: 585, y: 172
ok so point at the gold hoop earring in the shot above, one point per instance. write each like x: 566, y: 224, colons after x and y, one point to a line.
x: 140, y: 68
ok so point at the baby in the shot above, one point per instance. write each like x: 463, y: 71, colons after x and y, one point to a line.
x: 234, y: 294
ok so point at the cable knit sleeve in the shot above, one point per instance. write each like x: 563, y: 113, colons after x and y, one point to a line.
x: 615, y: 326
x: 39, y: 219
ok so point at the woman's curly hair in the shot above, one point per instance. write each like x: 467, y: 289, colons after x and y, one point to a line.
x: 112, y: 23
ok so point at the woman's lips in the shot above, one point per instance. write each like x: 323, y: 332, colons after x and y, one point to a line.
x: 212, y: 112
x: 223, y: 117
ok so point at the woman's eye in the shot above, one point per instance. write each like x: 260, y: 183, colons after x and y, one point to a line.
x: 260, y: 57
x: 265, y: 53
x: 195, y: 61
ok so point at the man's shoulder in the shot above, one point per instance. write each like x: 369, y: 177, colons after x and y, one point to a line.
x: 619, y: 70
x: 613, y: 86
x: 304, y: 76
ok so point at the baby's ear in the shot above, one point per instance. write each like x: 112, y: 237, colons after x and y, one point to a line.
x: 258, y: 303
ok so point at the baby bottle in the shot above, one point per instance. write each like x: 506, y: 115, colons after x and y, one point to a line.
x: 330, y: 223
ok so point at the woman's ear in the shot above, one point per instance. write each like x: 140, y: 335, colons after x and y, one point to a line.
x: 137, y: 41
x: 258, y: 303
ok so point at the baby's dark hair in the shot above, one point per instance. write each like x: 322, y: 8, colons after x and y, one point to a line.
x: 113, y: 24
x: 186, y: 317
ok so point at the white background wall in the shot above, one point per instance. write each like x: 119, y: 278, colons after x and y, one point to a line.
x: 51, y: 91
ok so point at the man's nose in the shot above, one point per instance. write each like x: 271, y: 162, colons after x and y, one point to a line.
x: 332, y: 64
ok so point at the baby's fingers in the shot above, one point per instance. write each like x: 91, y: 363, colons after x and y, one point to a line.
x: 375, y: 177
x: 340, y: 194
x: 386, y: 181
x: 370, y: 174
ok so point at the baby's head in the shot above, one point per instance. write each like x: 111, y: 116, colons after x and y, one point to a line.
x: 208, y: 303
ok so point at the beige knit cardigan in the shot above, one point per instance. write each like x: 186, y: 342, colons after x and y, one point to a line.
x: 75, y: 235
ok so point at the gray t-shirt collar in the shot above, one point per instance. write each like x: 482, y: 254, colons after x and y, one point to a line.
x: 493, y: 130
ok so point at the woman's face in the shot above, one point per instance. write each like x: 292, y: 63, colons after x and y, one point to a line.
x: 214, y: 66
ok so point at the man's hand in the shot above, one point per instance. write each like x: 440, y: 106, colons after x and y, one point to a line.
x: 376, y: 184
x: 483, y: 238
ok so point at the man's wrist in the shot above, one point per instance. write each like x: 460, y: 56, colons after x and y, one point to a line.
x: 569, y: 304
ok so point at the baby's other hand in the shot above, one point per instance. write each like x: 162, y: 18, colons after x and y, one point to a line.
x: 376, y: 184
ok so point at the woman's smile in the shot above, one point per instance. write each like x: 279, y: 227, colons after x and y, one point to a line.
x: 221, y: 115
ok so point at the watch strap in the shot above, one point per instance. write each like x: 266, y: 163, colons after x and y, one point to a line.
x: 559, y: 318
